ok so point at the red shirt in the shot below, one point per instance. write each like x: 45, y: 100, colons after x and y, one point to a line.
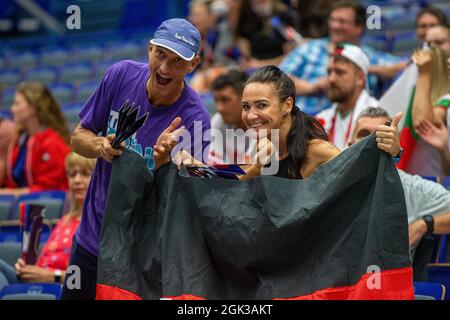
x: 56, y: 251
x: 44, y: 163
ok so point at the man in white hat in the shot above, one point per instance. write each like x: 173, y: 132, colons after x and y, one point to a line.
x: 347, y: 75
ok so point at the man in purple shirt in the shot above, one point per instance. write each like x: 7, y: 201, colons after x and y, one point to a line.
x: 159, y: 89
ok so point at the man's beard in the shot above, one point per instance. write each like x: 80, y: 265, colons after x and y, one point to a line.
x: 337, y: 95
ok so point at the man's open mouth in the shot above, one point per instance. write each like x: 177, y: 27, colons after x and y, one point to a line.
x: 163, y: 81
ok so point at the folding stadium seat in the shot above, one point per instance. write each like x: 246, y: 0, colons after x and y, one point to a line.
x: 31, y: 291
x: 88, y: 53
x: 54, y: 201
x: 63, y: 92
x: 102, y: 67
x: 10, y: 252
x: 76, y: 72
x: 435, y: 290
x: 424, y: 254
x: 439, y: 272
x: 85, y: 90
x: 403, y: 43
x: 9, y: 78
x: 45, y: 75
x: 56, y: 57
x: 391, y: 11
x: 70, y: 111
x: 125, y: 50
x: 20, y: 60
x: 431, y: 178
x: 6, y: 205
x: 403, y: 22
x: 443, y: 5
x: 446, y: 182
x: 378, y: 42
x: 7, y: 99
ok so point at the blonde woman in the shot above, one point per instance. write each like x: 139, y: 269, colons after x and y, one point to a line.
x: 54, y: 258
x: 431, y: 155
x: 35, y: 160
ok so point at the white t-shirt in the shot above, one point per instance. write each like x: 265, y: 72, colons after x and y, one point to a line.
x: 228, y: 144
x: 344, y: 126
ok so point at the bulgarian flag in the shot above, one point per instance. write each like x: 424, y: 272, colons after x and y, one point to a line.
x: 340, y: 234
x: 400, y: 98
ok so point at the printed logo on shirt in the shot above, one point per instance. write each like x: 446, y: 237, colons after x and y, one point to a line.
x: 45, y: 157
x: 131, y: 143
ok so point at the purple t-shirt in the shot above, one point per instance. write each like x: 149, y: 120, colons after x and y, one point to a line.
x: 127, y: 80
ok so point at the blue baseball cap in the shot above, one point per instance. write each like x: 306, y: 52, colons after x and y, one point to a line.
x: 178, y: 35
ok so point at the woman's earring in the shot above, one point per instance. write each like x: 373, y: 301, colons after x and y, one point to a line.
x: 285, y: 113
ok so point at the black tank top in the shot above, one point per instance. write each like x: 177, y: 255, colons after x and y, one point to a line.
x: 283, y: 168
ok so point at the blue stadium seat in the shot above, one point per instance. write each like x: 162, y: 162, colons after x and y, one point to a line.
x: 55, y: 57
x: 403, y: 43
x: 9, y: 78
x: 403, y: 22
x: 10, y: 251
x: 102, y: 67
x: 31, y: 291
x: 435, y: 290
x: 446, y: 182
x: 443, y: 5
x: 442, y: 254
x: 440, y: 273
x: 6, y: 205
x: 7, y: 99
x: 64, y: 93
x: 70, y: 111
x: 431, y: 178
x: 378, y: 42
x: 53, y: 200
x: 45, y: 75
x: 85, y: 90
x: 21, y: 60
x: 88, y: 53
x: 76, y: 72
x: 125, y: 50
x: 5, y: 114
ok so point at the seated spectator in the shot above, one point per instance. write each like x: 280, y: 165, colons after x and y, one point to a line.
x: 227, y: 90
x: 202, y: 17
x: 431, y: 156
x: 54, y: 258
x: 439, y: 36
x: 259, y: 42
x: 307, y: 64
x: 313, y: 17
x: 216, y: 42
x: 7, y: 132
x: 347, y: 76
x: 427, y: 202
x: 35, y: 161
x: 426, y: 18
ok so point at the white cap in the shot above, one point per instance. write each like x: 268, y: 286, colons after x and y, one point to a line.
x: 355, y: 54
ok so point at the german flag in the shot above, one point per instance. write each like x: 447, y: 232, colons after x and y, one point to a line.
x: 340, y: 234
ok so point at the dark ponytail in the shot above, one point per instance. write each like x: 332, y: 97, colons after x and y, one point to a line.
x: 304, y: 127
